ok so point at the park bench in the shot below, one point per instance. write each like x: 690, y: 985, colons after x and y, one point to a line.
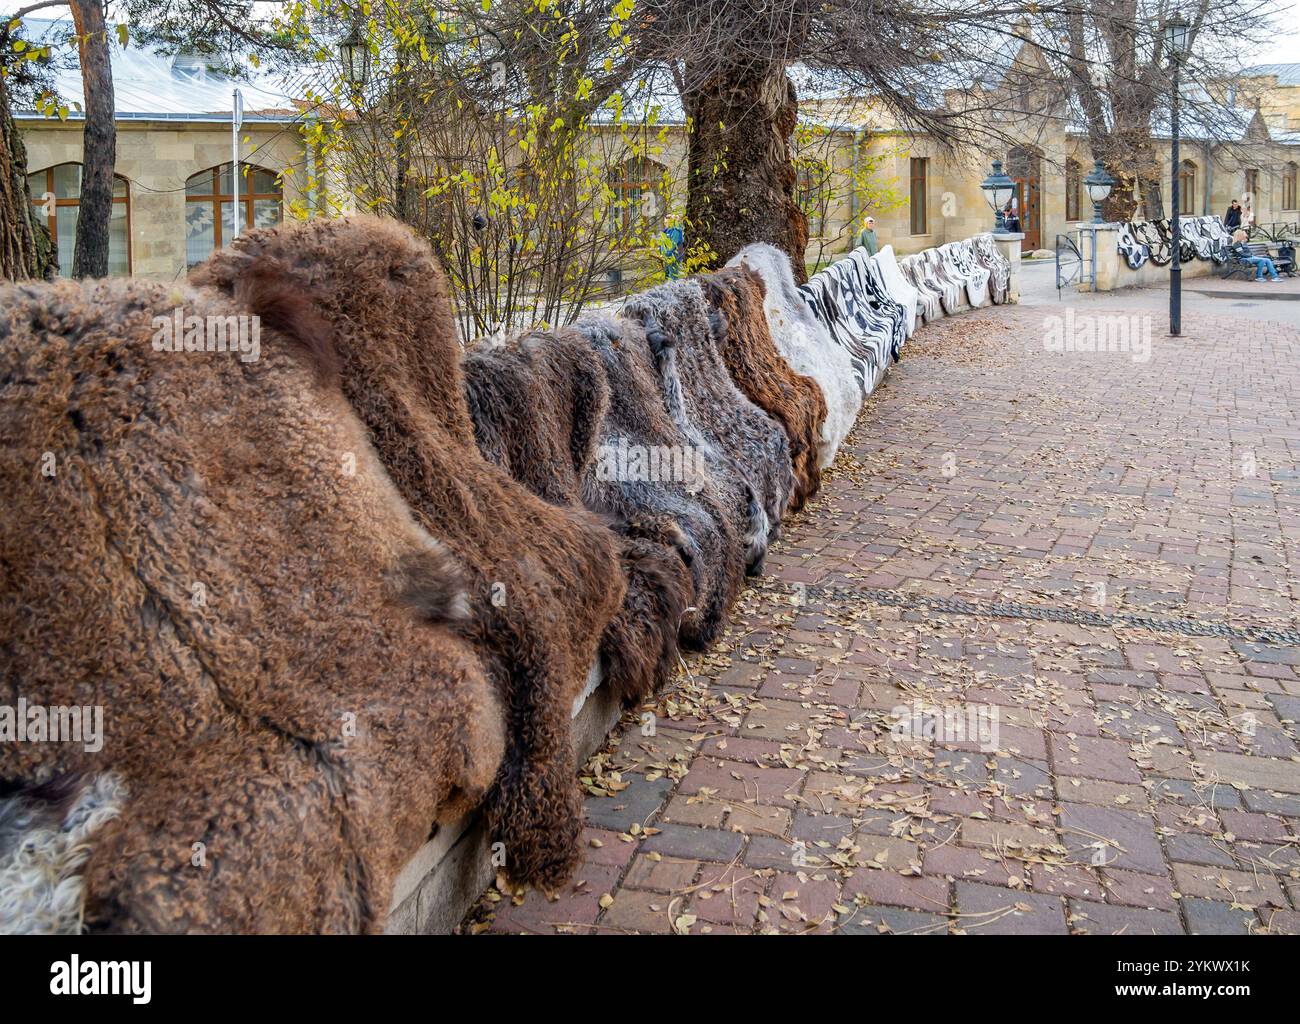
x: 1283, y: 257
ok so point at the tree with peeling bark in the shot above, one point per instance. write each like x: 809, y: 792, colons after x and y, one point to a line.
x: 26, y: 249
x: 1107, y: 59
x: 731, y: 60
x: 99, y: 141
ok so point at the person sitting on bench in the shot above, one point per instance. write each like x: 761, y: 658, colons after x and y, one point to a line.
x: 1240, y: 250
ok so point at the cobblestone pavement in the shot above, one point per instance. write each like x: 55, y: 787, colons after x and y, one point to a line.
x: 1091, y: 774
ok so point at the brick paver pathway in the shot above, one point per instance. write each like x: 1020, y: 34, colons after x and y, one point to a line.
x: 1128, y: 779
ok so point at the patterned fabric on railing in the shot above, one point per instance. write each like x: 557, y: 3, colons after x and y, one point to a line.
x: 869, y: 305
x: 1134, y: 252
x: 1160, y: 250
x: 929, y: 303
x: 998, y: 266
x: 899, y: 286
x: 1203, y: 238
x: 963, y: 266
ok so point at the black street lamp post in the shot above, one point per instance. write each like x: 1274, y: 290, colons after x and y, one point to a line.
x: 1176, y: 38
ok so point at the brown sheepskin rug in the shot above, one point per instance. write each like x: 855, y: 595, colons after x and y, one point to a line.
x: 655, y: 484
x: 544, y: 581
x: 200, y: 546
x: 539, y: 406
x: 760, y: 371
x: 740, y: 442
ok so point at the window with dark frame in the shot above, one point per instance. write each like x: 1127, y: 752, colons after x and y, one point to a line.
x: 919, y: 187
x: 56, y: 191
x: 209, y: 207
x: 633, y: 183
x: 1290, y: 179
x: 1187, y: 188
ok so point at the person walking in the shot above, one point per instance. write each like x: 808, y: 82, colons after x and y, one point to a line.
x: 867, y: 237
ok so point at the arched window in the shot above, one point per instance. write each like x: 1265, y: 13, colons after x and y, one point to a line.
x: 1290, y: 179
x: 209, y: 207
x: 56, y: 192
x: 1187, y: 188
x: 1073, y: 188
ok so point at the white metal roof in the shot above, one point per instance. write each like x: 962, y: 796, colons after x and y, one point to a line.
x: 147, y: 87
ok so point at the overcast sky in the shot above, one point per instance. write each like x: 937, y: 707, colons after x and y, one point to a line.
x: 1283, y: 48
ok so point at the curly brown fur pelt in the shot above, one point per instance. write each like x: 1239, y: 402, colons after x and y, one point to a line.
x: 758, y: 369
x: 545, y: 581
x: 207, y: 549
x: 691, y: 517
x: 539, y: 406
x: 740, y: 442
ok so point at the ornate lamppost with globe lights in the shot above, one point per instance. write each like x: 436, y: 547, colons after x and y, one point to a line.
x: 998, y: 190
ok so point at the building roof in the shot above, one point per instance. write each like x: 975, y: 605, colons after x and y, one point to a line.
x: 152, y: 86
x: 1287, y: 74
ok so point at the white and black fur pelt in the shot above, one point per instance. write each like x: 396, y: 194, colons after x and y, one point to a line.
x: 873, y: 283
x: 856, y: 319
x: 959, y: 261
x: 46, y: 835
x: 950, y: 289
x: 1159, y: 249
x: 806, y: 344
x: 998, y: 266
x: 929, y: 296
x: 1134, y: 252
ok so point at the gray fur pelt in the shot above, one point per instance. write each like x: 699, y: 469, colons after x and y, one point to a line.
x: 695, y: 518
x: 740, y: 442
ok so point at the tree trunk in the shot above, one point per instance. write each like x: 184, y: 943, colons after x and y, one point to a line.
x: 90, y: 254
x: 741, y: 175
x: 26, y: 249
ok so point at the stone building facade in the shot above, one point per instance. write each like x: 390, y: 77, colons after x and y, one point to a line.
x: 174, y: 152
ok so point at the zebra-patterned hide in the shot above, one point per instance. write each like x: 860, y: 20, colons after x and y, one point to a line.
x: 1134, y: 252
x: 904, y: 293
x: 962, y: 265
x: 1200, y: 242
x: 805, y: 344
x: 1186, y: 249
x: 1159, y: 250
x: 852, y: 315
x: 929, y: 300
x: 1202, y: 238
x: 998, y: 266
x: 950, y: 288
x: 872, y: 279
x: 1220, y: 237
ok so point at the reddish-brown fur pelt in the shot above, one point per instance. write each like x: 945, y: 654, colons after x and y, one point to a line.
x: 206, y: 547
x: 544, y: 581
x: 760, y: 371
